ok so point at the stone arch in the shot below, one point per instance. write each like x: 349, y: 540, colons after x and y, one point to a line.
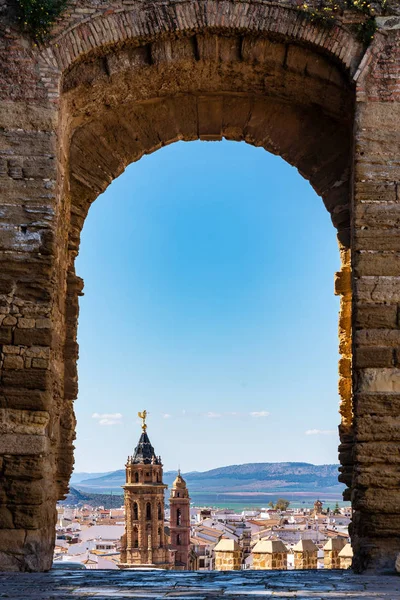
x: 119, y: 82
x: 294, y: 99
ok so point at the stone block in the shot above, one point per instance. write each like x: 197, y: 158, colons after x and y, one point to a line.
x: 24, y: 467
x: 26, y: 323
x: 28, y: 493
x: 23, y: 421
x: 307, y: 62
x: 25, y: 399
x: 43, y: 323
x: 26, y: 516
x: 369, y: 264
x: 372, y: 191
x: 380, y: 316
x: 40, y: 363
x: 378, y: 290
x: 377, y: 215
x: 30, y: 379
x: 263, y: 51
x: 5, y: 335
x: 11, y: 349
x: 33, y: 337
x: 376, y: 500
x: 343, y: 282
x: 6, y: 518
x: 379, y: 380
x: 377, y: 337
x: 382, y: 452
x: 10, y: 321
x: 345, y: 367
x: 374, y: 357
x: 20, y: 444
x: 377, y: 428
x: 13, y: 362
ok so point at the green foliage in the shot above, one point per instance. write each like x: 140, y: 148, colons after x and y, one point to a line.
x: 37, y: 17
x: 282, y: 504
x: 326, y: 12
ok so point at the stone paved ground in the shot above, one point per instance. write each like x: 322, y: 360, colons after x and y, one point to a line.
x: 251, y: 585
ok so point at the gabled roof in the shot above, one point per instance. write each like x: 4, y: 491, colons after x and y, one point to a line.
x: 305, y: 546
x: 225, y: 545
x: 346, y: 552
x: 335, y: 543
x: 269, y: 547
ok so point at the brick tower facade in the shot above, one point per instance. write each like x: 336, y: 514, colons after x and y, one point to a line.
x: 144, y: 541
x: 179, y: 503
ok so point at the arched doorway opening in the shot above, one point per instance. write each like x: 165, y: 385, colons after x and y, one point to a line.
x: 112, y: 118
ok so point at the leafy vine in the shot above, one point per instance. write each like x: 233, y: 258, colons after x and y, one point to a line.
x: 328, y: 12
x: 37, y: 17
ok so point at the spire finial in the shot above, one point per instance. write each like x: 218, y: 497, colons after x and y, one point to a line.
x: 143, y: 415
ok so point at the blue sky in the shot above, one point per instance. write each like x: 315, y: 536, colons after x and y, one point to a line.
x: 209, y: 301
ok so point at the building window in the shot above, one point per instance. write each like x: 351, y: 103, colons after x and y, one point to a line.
x: 178, y: 517
x: 136, y: 477
x: 159, y: 538
x: 159, y: 512
x: 148, y: 512
x: 135, y: 511
x: 135, y: 538
x: 178, y: 539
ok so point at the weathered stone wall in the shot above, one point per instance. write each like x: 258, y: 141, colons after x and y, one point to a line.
x: 123, y: 78
x: 376, y: 288
x: 270, y: 561
x: 331, y: 559
x: 305, y: 560
x: 228, y: 561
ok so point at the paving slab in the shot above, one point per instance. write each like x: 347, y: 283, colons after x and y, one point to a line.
x: 169, y: 585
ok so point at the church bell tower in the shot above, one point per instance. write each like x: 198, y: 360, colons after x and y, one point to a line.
x: 179, y: 504
x: 144, y: 541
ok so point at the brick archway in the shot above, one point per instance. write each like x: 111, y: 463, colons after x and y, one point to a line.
x: 116, y: 83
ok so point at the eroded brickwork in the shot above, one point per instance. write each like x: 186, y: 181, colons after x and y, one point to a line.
x: 123, y: 78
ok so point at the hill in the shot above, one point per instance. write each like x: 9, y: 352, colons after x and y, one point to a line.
x: 80, y: 498
x: 250, y: 478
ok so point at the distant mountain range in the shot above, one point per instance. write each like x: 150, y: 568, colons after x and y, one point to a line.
x: 248, y: 478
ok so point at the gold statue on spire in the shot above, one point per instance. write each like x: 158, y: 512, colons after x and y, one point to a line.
x: 143, y: 415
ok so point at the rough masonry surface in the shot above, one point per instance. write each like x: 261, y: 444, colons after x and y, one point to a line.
x: 122, y: 78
